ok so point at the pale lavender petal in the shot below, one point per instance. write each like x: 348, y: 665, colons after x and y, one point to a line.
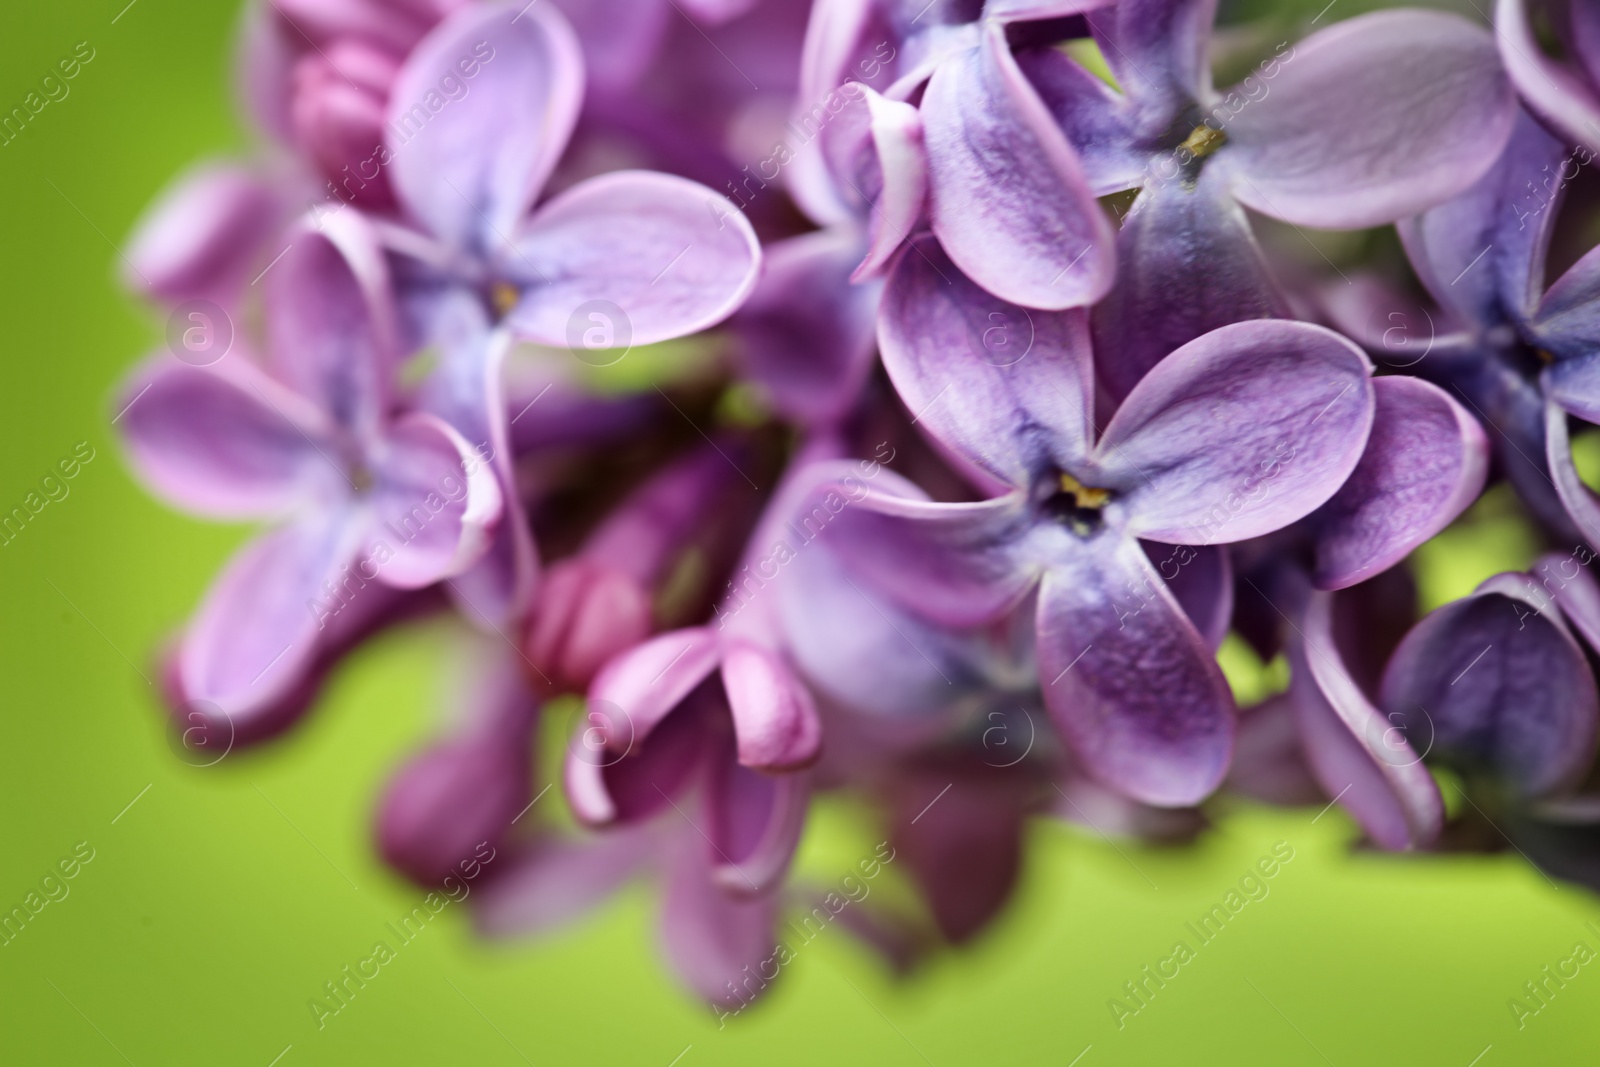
x: 773, y: 716
x: 1577, y: 594
x: 1008, y: 197
x: 807, y: 335
x: 620, y: 38
x: 716, y: 943
x: 1554, y: 92
x: 1425, y: 463
x: 1128, y: 679
x: 256, y: 630
x: 1238, y: 433
x: 203, y: 236
x: 1364, y: 760
x: 901, y: 159
x: 470, y: 164
x: 1006, y: 389
x: 332, y: 322
x: 223, y: 441
x: 1376, y: 118
x: 1498, y: 684
x: 1187, y: 263
x: 842, y: 38
x: 956, y: 564
x: 672, y: 255
x: 434, y: 505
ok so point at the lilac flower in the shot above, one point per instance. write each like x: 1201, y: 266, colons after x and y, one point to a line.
x: 629, y: 257
x: 1363, y: 123
x: 1239, y: 433
x: 1565, y: 95
x: 370, y: 497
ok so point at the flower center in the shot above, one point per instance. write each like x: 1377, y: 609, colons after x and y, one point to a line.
x: 1077, y: 506
x: 1204, y: 140
x: 503, y: 297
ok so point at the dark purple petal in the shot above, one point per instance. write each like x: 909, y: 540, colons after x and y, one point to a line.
x: 647, y: 682
x: 1580, y: 502
x: 1005, y: 389
x: 754, y: 821
x: 469, y: 166
x: 1425, y: 463
x: 1481, y: 255
x: 1364, y: 760
x: 223, y: 441
x: 1158, y: 51
x: 1567, y: 323
x: 1577, y: 594
x: 1008, y: 197
x: 1128, y: 678
x: 1097, y: 120
x: 672, y: 255
x: 1238, y: 433
x: 1269, y: 759
x: 1499, y: 685
x: 1187, y: 263
x: 1201, y: 579
x: 1373, y: 119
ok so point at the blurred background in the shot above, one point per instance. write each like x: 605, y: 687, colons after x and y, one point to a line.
x: 217, y: 901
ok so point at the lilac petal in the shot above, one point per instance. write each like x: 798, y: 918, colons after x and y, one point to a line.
x: 615, y: 773
x: 1019, y: 10
x: 1128, y: 679
x: 1567, y: 322
x: 1187, y: 263
x: 773, y: 715
x: 806, y: 334
x: 966, y: 854
x: 1007, y: 390
x: 955, y: 564
x: 1373, y: 119
x: 470, y: 166
x: 754, y: 824
x: 1269, y: 759
x: 1425, y: 463
x: 674, y: 256
x: 223, y: 441
x: 1361, y: 758
x: 264, y: 59
x: 716, y: 943
x: 620, y: 38
x: 901, y: 159
x: 333, y: 325
x: 1008, y: 197
x: 252, y: 636
x: 203, y: 235
x: 1550, y: 89
x: 1500, y: 685
x: 650, y: 680
x: 1577, y: 594
x: 1481, y: 254
x: 1158, y: 51
x: 435, y: 504
x: 1581, y: 503
x: 1201, y: 579
x: 1098, y: 121
x: 554, y: 883
x: 1239, y: 433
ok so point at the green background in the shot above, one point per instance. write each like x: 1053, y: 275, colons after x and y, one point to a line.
x: 220, y: 901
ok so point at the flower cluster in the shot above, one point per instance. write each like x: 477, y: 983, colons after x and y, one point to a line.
x: 897, y: 398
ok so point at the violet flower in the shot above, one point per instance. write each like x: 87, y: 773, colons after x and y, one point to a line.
x: 1236, y: 434
x: 1363, y: 123
x: 370, y: 497
x: 626, y: 258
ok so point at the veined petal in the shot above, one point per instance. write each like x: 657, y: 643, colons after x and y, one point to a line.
x: 435, y: 504
x: 1500, y: 686
x: 1187, y: 263
x: 1239, y: 433
x: 470, y: 165
x: 1099, y: 122
x: 1128, y: 678
x: 224, y: 441
x: 669, y: 254
x: 1005, y: 389
x: 1376, y: 118
x: 1007, y: 196
x: 1425, y: 463
x: 1357, y: 755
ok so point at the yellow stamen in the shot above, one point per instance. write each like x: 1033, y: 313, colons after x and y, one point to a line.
x: 1545, y: 357
x: 504, y: 297
x: 1085, y: 496
x: 1204, y: 141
